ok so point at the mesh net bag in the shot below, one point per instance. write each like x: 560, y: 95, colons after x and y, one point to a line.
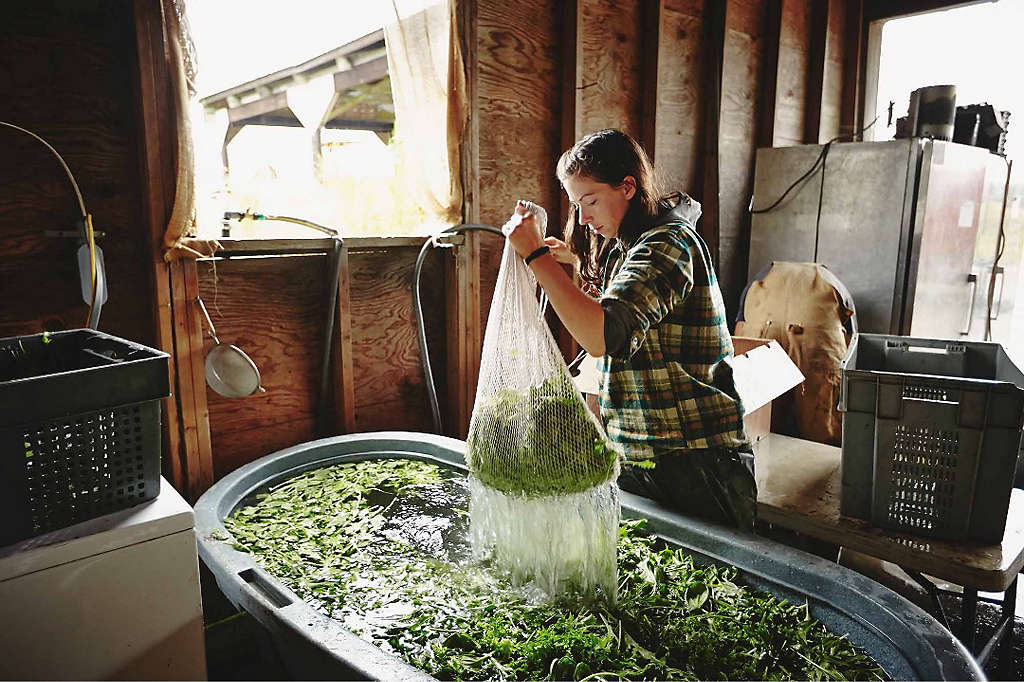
x: 544, y: 501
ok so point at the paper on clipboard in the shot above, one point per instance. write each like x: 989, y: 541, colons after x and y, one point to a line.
x: 763, y: 374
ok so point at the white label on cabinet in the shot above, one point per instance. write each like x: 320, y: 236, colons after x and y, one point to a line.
x: 966, y: 214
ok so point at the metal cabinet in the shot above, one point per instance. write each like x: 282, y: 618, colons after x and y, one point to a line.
x: 896, y: 221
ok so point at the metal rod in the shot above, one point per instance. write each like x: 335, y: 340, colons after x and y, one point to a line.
x: 933, y: 591
x: 968, y: 618
x: 1006, y: 654
x: 1000, y: 245
x: 209, y: 322
x: 990, y: 645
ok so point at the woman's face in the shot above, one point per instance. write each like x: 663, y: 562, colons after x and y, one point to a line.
x: 600, y: 205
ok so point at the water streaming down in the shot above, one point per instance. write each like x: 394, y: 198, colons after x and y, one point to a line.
x: 562, y: 543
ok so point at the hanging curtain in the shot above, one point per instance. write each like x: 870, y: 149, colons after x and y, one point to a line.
x: 428, y: 87
x: 179, y: 237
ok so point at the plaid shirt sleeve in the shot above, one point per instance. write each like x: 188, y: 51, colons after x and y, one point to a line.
x: 653, y: 280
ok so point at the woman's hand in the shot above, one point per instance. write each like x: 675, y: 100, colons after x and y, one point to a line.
x: 560, y: 251
x: 523, y: 231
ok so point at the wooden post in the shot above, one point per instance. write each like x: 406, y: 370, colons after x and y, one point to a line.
x: 184, y: 384
x: 200, y: 461
x: 571, y: 130
x: 770, y: 74
x: 469, y: 290
x: 344, y: 379
x: 713, y: 53
x: 187, y: 439
x: 572, y: 59
x: 157, y: 169
x: 651, y: 23
x: 850, y: 115
x: 457, y: 346
x: 468, y: 256
x: 818, y: 49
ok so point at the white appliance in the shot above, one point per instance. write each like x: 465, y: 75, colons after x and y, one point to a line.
x: 116, y: 597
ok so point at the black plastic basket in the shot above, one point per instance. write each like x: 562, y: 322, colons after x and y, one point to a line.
x: 79, y: 428
x: 931, y: 435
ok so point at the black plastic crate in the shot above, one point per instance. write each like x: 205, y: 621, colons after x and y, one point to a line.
x: 931, y: 435
x: 79, y: 428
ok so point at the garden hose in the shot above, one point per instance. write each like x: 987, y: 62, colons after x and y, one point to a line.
x: 417, y: 304
x: 92, y: 320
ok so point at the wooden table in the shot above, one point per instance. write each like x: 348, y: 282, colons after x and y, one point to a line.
x: 798, y: 488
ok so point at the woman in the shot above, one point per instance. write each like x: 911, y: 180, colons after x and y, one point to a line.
x: 659, y: 328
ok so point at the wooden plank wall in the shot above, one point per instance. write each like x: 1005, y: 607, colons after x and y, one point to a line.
x: 773, y: 92
x: 274, y: 309
x: 69, y: 75
x: 519, y: 93
x: 542, y: 72
x: 610, y: 78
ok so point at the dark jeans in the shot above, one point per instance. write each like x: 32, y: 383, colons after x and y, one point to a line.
x: 715, y: 484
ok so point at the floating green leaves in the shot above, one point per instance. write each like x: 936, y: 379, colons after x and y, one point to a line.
x: 328, y: 536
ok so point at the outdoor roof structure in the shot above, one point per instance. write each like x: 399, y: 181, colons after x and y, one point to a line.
x: 361, y: 100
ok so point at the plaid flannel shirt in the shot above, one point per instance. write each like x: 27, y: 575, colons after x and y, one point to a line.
x: 657, y: 395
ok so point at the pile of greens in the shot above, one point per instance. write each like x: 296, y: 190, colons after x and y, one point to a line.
x: 541, y: 442
x: 340, y: 539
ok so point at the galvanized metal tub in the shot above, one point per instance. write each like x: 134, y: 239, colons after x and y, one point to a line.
x: 905, y: 640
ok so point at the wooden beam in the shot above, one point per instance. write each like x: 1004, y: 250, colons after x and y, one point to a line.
x: 201, y: 462
x: 850, y: 114
x: 469, y: 161
x: 870, y: 61
x: 156, y: 166
x: 713, y: 52
x: 376, y: 243
x: 571, y: 130
x: 271, y: 106
x: 651, y: 22
x: 572, y: 103
x: 468, y: 277
x: 360, y: 124
x: 769, y: 74
x: 344, y: 384
x: 183, y: 385
x: 818, y: 53
x: 279, y: 247
x: 367, y: 72
x: 469, y: 320
x: 273, y: 247
x: 456, y: 417
x: 887, y: 9
x: 285, y: 119
x: 326, y: 60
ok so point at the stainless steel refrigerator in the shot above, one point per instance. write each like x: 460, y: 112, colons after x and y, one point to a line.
x: 909, y: 226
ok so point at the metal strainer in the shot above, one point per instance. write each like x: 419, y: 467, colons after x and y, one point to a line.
x: 229, y: 371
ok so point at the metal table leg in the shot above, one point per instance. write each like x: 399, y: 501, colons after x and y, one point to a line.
x: 968, y: 618
x: 1006, y: 662
x: 933, y: 592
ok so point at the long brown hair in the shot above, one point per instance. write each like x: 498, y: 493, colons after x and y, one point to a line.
x: 608, y: 156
